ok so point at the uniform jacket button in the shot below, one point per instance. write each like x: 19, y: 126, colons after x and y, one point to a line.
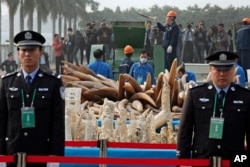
x: 219, y: 147
x: 25, y: 133
x: 47, y: 139
x: 6, y: 139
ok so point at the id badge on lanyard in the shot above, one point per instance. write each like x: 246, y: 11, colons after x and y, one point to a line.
x: 216, y: 128
x: 28, y: 113
x: 217, y: 123
x: 28, y: 117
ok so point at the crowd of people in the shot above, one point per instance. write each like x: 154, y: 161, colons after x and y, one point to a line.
x: 189, y: 44
x: 215, y: 118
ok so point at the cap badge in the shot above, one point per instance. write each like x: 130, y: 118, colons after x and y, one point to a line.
x: 223, y: 56
x: 28, y: 35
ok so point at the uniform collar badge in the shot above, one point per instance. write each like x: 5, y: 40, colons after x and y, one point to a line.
x: 18, y: 74
x: 40, y: 75
x: 233, y: 88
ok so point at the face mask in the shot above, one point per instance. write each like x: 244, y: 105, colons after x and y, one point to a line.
x: 143, y: 60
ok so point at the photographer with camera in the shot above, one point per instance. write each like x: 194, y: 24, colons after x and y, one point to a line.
x: 188, y: 39
x: 211, y: 40
x: 91, y: 35
x: 200, y: 42
x: 221, y: 38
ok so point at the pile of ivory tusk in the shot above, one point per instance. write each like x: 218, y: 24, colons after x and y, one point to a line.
x: 147, y: 107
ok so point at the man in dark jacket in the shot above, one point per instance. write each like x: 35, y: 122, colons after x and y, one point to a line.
x: 31, y: 104
x: 215, y: 116
x: 79, y: 44
x: 170, y: 38
x: 69, y: 45
x: 9, y: 65
x: 91, y: 35
x: 104, y: 34
x: 200, y: 42
x: 243, y: 44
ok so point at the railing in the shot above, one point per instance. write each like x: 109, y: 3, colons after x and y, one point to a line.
x: 21, y: 158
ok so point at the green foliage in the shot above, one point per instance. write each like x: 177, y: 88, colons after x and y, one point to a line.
x: 212, y: 15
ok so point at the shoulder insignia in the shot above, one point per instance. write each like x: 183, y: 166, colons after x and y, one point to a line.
x: 9, y: 74
x: 58, y: 76
x: 234, y: 87
x: 199, y: 85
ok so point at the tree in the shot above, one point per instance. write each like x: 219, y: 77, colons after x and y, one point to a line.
x: 29, y: 8
x: 0, y: 25
x: 21, y: 15
x: 42, y: 8
x: 13, y: 5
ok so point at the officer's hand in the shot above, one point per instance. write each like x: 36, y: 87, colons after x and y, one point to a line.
x: 169, y: 49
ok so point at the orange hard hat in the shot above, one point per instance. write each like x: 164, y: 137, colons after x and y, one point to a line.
x: 171, y: 13
x: 246, y: 20
x: 128, y: 49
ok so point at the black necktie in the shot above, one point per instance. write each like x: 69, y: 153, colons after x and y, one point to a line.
x: 222, y: 95
x: 28, y: 80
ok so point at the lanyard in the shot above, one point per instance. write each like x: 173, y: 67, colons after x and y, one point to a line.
x: 215, y: 103
x: 33, y: 98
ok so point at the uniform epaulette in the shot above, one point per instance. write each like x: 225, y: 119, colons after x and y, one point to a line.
x: 9, y: 74
x: 199, y: 85
x: 58, y: 76
x: 240, y: 87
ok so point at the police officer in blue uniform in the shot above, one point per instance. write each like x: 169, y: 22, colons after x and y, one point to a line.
x: 213, y: 123
x: 31, y: 104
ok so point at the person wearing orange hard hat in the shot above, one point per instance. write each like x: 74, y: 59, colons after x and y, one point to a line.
x: 170, y: 38
x: 128, y: 49
x: 127, y: 62
x: 243, y: 44
x: 246, y: 21
x: 171, y: 14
